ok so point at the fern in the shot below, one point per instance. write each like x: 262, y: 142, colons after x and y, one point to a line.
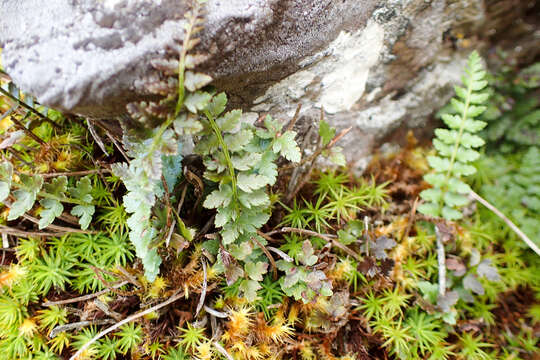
x: 26, y: 191
x: 241, y: 159
x: 455, y: 147
x: 155, y: 153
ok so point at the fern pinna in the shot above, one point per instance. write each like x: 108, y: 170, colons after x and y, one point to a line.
x: 456, y: 146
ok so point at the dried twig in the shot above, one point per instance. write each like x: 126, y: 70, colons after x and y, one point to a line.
x: 366, y: 233
x: 329, y: 238
x: 215, y: 313
x: 105, y: 308
x: 204, y: 288
x: 176, y: 296
x: 77, y: 325
x: 5, y: 241
x: 268, y: 255
x: 118, y: 146
x: 441, y: 260
x: 7, y: 113
x: 284, y: 256
x: 508, y: 222
x: 17, y: 232
x: 57, y: 227
x: 128, y: 277
x: 27, y: 107
x: 295, y: 117
x: 410, y: 222
x: 222, y: 350
x: 318, y: 151
x: 29, y: 133
x: 75, y: 173
x: 85, y: 297
x: 109, y: 286
x: 96, y: 136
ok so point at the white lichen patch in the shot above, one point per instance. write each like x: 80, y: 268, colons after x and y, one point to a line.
x: 112, y: 4
x: 352, y: 57
x: 341, y: 71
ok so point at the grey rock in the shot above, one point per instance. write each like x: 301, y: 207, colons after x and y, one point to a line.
x: 373, y: 65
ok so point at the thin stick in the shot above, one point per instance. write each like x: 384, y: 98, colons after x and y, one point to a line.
x: 77, y: 325
x: 284, y: 256
x: 441, y: 260
x: 512, y: 226
x: 328, y: 238
x: 108, y: 285
x: 215, y: 313
x: 11, y: 109
x: 5, y: 241
x: 318, y: 151
x: 105, y: 308
x: 59, y: 228
x: 295, y: 117
x: 176, y: 296
x: 203, y: 292
x: 29, y: 133
x: 411, y: 219
x: 27, y: 107
x: 118, y: 146
x: 85, y: 297
x: 366, y: 230
x: 222, y: 350
x: 12, y: 231
x: 76, y: 173
x: 268, y: 255
x: 96, y: 136
x: 128, y: 276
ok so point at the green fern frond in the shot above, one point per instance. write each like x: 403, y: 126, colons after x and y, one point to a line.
x: 455, y: 146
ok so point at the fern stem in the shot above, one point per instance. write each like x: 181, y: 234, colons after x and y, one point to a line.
x: 460, y: 134
x: 226, y: 153
x: 62, y: 199
x: 182, y: 60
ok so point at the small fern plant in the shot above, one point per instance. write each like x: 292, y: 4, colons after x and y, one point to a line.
x: 240, y: 158
x: 25, y: 189
x: 456, y: 146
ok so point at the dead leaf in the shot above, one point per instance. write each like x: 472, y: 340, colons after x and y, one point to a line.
x: 488, y: 271
x: 446, y: 232
x: 368, y: 266
x: 382, y: 244
x: 457, y: 265
x: 446, y: 301
x: 471, y: 282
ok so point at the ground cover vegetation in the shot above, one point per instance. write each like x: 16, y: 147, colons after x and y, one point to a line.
x: 115, y: 246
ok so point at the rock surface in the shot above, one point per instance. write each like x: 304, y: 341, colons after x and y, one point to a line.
x: 373, y: 65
